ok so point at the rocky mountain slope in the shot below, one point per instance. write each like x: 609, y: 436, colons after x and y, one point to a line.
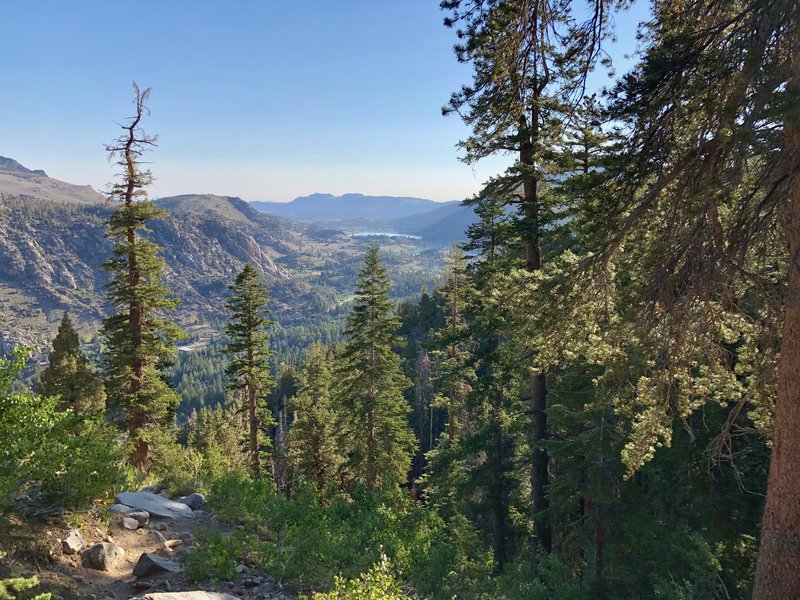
x: 50, y: 255
x: 52, y: 245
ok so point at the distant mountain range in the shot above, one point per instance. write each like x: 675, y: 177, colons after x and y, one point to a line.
x: 433, y: 221
x: 348, y: 207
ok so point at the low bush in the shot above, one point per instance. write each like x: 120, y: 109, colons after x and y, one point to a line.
x: 9, y: 587
x: 49, y: 456
x: 379, y: 583
x: 310, y: 541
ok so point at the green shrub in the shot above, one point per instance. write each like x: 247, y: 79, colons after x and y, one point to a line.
x: 379, y: 583
x: 19, y: 584
x: 310, y: 541
x: 211, y: 452
x: 172, y: 465
x: 50, y: 456
x: 214, y: 556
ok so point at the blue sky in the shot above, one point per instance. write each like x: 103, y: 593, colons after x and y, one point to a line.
x: 264, y: 100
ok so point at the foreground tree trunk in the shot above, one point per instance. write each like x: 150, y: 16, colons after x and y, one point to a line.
x: 778, y: 569
x: 540, y: 460
x: 498, y: 491
x: 255, y: 462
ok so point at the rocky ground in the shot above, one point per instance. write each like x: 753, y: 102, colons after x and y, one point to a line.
x: 134, y: 552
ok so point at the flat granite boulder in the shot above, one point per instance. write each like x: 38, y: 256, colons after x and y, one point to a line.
x: 155, y: 505
x: 186, y: 596
x: 153, y: 564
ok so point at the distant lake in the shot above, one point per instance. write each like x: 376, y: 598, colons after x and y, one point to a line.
x: 385, y: 234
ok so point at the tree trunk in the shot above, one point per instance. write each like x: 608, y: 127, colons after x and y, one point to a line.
x: 371, y: 474
x: 141, y: 448
x: 255, y: 463
x: 498, y: 491
x: 777, y: 572
x: 540, y: 460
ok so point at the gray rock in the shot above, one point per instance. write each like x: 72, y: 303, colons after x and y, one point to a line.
x: 193, y: 501
x: 140, y: 515
x: 129, y: 523
x: 158, y: 526
x: 198, y: 595
x: 73, y: 543
x: 153, y: 564
x: 187, y: 537
x: 141, y: 585
x: 155, y: 505
x: 120, y: 509
x: 102, y: 556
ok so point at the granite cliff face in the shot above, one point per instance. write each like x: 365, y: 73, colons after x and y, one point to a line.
x: 50, y: 254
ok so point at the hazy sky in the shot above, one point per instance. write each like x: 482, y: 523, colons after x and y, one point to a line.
x: 265, y: 100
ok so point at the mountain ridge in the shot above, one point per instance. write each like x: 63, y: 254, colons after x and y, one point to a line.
x: 347, y: 207
x: 20, y: 181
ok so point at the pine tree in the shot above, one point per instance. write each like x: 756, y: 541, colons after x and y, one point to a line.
x: 69, y: 374
x: 284, y: 390
x: 139, y: 343
x: 249, y: 352
x: 312, y: 437
x: 707, y: 219
x: 530, y: 61
x: 376, y: 433
x: 455, y: 370
x: 215, y: 435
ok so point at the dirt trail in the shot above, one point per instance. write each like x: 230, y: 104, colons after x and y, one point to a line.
x: 71, y: 580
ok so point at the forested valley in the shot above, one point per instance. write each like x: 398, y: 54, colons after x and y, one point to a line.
x: 601, y: 399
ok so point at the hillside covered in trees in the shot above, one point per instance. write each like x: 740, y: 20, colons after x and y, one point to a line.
x: 597, y: 399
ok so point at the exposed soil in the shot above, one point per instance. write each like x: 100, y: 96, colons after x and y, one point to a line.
x: 68, y: 579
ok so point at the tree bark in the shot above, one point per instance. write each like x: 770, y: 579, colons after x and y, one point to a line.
x: 540, y: 459
x: 498, y: 491
x: 777, y: 572
x: 141, y: 449
x: 253, y: 421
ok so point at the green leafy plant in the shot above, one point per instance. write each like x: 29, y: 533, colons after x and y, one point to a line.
x: 379, y: 583
x: 51, y: 456
x: 19, y: 584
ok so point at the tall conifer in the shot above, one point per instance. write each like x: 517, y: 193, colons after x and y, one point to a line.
x: 139, y: 342
x: 249, y: 351
x: 69, y: 374
x: 375, y: 426
x: 530, y: 60
x: 312, y: 442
